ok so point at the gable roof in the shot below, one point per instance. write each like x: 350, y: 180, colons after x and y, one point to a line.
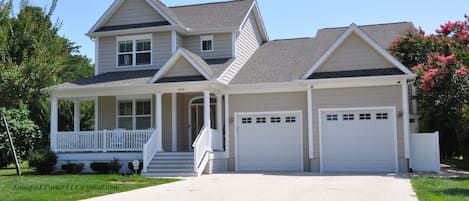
x: 354, y: 29
x: 288, y: 60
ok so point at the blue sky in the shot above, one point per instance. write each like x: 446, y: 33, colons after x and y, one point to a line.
x: 283, y: 19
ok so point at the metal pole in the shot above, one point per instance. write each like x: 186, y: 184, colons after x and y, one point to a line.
x: 17, y: 164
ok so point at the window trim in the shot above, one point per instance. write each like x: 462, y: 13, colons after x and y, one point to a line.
x: 134, y: 110
x: 134, y: 53
x: 207, y: 38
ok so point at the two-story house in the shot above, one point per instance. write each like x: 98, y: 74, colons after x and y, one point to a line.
x: 197, y: 88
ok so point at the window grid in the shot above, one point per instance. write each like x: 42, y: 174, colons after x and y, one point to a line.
x: 139, y: 114
x: 246, y: 120
x: 348, y: 117
x: 381, y: 116
x: 275, y: 120
x: 261, y: 120
x: 290, y: 119
x: 134, y: 52
x: 206, y: 43
x: 332, y: 117
x: 366, y: 116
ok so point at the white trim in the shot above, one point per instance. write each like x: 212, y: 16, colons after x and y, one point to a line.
x: 96, y: 114
x: 134, y: 116
x: 76, y: 115
x: 189, y: 110
x: 134, y: 52
x: 207, y: 118
x: 259, y: 20
x: 169, y: 64
x: 227, y: 126
x: 219, y: 122
x: 355, y: 29
x: 174, y: 125
x: 54, y: 122
x: 309, y: 92
x: 300, y: 119
x: 159, y: 120
x: 161, y: 12
x: 207, y: 38
x: 96, y: 56
x: 392, y: 108
x: 173, y: 42
x: 405, y: 117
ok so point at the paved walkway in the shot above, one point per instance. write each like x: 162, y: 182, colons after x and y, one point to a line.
x: 276, y: 187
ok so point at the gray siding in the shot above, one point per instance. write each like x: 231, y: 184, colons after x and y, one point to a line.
x: 161, y: 51
x: 359, y: 97
x: 134, y: 12
x: 179, y: 41
x: 222, y: 46
x: 182, y: 68
x: 246, y: 44
x: 268, y: 102
x: 107, y: 113
x: 354, y: 54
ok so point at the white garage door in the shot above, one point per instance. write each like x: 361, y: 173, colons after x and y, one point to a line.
x: 358, y: 141
x: 269, y: 142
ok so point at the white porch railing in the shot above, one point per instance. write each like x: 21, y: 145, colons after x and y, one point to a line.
x: 202, y: 147
x: 150, y: 148
x: 102, y: 141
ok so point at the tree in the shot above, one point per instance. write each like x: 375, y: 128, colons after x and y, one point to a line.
x: 440, y: 62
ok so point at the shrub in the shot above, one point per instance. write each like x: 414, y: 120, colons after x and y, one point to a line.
x: 115, y: 166
x: 100, y: 167
x: 131, y: 167
x: 73, y: 168
x: 43, y: 161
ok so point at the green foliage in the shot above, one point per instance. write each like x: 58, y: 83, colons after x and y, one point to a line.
x: 43, y: 161
x: 24, y: 132
x: 115, y: 166
x: 73, y: 168
x: 100, y: 167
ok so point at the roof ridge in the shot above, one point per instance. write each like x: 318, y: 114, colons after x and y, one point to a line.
x: 208, y: 3
x: 369, y: 25
x: 285, y: 39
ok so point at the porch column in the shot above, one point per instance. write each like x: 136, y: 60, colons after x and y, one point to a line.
x: 53, y: 123
x: 174, y: 122
x: 96, y: 114
x: 405, y: 117
x: 310, y: 121
x: 159, y: 121
x: 207, y: 121
x: 218, y: 144
x: 76, y: 115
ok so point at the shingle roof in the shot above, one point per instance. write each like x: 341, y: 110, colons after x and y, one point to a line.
x: 201, y: 17
x: 357, y: 73
x: 122, y: 78
x: 288, y: 60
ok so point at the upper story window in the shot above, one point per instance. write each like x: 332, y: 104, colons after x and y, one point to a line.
x: 134, y: 50
x: 206, y: 43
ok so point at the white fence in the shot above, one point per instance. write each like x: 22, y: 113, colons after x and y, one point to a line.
x: 202, y: 147
x: 425, y: 152
x: 102, y: 141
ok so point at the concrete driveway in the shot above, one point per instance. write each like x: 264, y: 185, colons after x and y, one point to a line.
x: 276, y: 187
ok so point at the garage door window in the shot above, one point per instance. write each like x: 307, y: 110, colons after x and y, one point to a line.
x: 332, y: 117
x: 275, y: 120
x: 247, y: 120
x: 290, y: 119
x: 348, y: 117
x: 381, y: 116
x: 366, y: 116
x: 261, y: 120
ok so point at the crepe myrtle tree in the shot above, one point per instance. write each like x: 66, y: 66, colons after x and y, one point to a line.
x: 440, y: 62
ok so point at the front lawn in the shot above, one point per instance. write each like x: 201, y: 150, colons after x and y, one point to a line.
x: 438, y: 189
x: 67, y: 187
x: 457, y: 163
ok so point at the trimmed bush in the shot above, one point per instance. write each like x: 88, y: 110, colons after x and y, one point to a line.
x: 73, y: 168
x: 131, y: 167
x: 100, y: 167
x: 115, y: 166
x: 43, y: 161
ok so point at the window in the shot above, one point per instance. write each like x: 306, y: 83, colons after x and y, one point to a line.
x: 247, y: 120
x: 366, y: 116
x: 348, y: 117
x: 261, y: 120
x: 381, y: 116
x: 134, y: 51
x: 134, y: 114
x: 206, y: 43
x: 332, y: 117
x: 290, y: 119
x: 275, y: 120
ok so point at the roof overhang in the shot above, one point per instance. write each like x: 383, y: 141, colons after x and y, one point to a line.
x: 259, y: 21
x: 355, y: 29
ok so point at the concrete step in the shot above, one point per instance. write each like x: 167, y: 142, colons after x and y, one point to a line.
x: 175, y: 154
x: 170, y: 161
x: 171, y: 174
x: 169, y: 170
x: 169, y: 166
x: 159, y: 157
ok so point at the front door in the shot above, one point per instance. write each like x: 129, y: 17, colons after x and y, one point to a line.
x: 196, y: 118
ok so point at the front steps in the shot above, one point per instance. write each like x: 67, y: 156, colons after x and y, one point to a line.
x: 171, y: 164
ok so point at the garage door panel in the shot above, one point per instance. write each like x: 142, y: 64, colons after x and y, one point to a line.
x: 358, y: 141
x: 271, y: 144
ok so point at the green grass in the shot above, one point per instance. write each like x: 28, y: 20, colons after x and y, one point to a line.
x: 438, y: 189
x: 67, y: 187
x: 457, y: 163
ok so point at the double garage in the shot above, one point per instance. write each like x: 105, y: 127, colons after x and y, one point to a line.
x: 351, y: 140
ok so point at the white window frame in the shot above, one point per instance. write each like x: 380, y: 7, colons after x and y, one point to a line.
x: 134, y: 53
x: 134, y: 110
x: 206, y: 38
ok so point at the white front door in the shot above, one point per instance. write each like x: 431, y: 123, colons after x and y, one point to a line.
x: 269, y: 142
x: 358, y: 141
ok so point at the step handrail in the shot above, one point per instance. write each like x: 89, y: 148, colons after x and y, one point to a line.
x: 202, y: 147
x: 150, y: 148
